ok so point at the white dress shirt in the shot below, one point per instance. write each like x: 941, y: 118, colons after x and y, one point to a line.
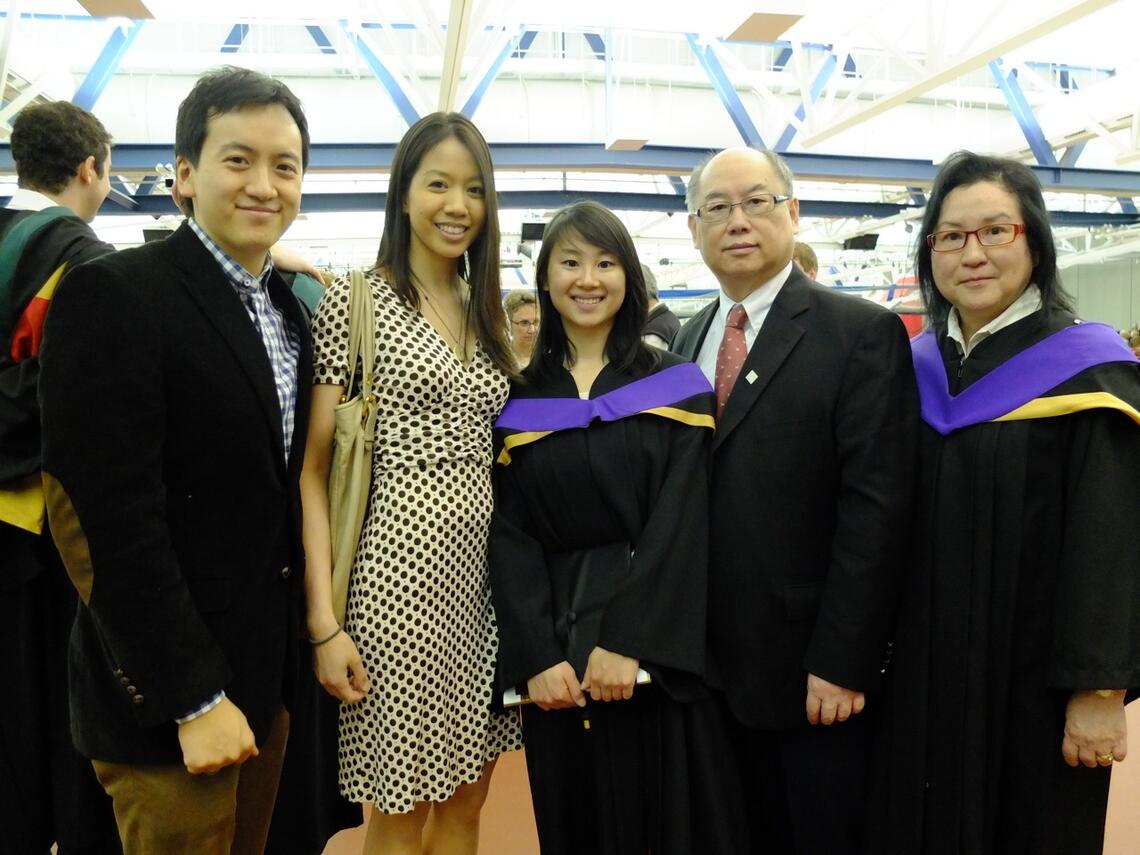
x: 1024, y: 306
x: 29, y: 200
x: 756, y: 306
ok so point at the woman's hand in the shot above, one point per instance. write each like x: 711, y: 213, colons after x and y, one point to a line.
x: 610, y: 676
x: 1096, y: 731
x: 556, y: 688
x: 340, y: 670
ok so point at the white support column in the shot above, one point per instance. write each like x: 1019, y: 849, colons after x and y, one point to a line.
x: 458, y: 27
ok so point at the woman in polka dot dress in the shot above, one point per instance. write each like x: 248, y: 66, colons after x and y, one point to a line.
x: 414, y: 663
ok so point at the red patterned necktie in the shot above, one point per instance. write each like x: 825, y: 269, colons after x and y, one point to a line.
x: 730, y: 357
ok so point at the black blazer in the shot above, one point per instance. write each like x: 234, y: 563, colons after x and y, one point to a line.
x: 812, y: 482
x: 169, y: 496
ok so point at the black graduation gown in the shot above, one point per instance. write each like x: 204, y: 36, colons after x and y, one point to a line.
x: 651, y: 774
x: 310, y: 808
x: 1025, y: 586
x: 48, y: 791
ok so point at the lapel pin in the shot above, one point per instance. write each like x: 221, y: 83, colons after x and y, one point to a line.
x: 750, y: 377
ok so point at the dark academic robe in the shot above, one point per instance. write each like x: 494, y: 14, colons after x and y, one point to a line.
x: 1025, y: 586
x: 48, y: 792
x: 599, y: 538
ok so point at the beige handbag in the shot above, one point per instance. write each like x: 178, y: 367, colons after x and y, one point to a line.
x: 350, y: 477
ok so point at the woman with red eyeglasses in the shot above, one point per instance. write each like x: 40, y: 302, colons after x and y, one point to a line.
x: 1019, y: 632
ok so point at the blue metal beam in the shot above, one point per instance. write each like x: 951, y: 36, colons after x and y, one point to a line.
x: 1127, y: 204
x: 127, y: 204
x: 1021, y: 111
x: 1050, y: 67
x: 782, y: 58
x: 483, y: 85
x: 158, y: 205
x: 387, y: 78
x: 726, y: 92
x: 677, y: 184
x: 652, y: 159
x: 105, y: 66
x: 1092, y: 218
x: 322, y: 40
x: 236, y: 38
x: 1072, y: 153
x: 917, y: 197
x: 524, y: 44
x: 817, y: 87
x: 597, y: 45
x: 530, y: 200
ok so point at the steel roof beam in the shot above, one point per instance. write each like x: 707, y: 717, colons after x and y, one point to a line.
x: 653, y: 160
x: 817, y: 87
x: 321, y: 39
x: 1023, y: 113
x: 387, y: 79
x: 105, y: 65
x: 509, y: 45
x: 964, y: 63
x: 725, y: 91
x: 235, y: 39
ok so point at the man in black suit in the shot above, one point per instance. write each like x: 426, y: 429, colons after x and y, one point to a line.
x: 174, y: 392
x: 812, y: 466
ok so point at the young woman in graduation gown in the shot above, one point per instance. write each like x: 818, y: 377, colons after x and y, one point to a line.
x: 598, y: 564
x: 1020, y: 627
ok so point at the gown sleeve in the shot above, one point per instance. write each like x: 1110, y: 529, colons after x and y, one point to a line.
x: 658, y: 615
x: 520, y: 587
x: 1096, y: 627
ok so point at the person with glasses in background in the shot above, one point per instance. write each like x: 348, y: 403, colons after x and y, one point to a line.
x: 1019, y: 631
x: 521, y: 308
x: 811, y: 489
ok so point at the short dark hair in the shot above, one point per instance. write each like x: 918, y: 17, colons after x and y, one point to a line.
x: 227, y: 90
x: 480, y: 264
x: 597, y: 225
x: 962, y: 169
x: 51, y: 141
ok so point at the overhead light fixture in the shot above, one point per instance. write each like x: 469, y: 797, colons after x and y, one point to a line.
x: 625, y: 144
x: 764, y: 21
x: 134, y: 9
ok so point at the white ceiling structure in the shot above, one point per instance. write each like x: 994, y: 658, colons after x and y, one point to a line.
x: 616, y: 100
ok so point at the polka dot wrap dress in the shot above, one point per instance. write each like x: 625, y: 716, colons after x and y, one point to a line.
x: 419, y: 604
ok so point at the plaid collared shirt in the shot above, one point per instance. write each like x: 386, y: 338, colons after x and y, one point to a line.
x: 281, y: 340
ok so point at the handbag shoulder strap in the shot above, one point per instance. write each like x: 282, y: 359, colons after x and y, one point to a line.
x: 361, y: 332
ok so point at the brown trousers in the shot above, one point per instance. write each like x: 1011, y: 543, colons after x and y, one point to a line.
x: 166, y: 809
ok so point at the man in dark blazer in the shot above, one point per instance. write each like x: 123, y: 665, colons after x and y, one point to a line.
x: 812, y: 466
x: 174, y: 392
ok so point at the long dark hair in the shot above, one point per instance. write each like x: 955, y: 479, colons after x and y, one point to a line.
x: 594, y: 224
x: 962, y: 169
x: 484, y: 308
